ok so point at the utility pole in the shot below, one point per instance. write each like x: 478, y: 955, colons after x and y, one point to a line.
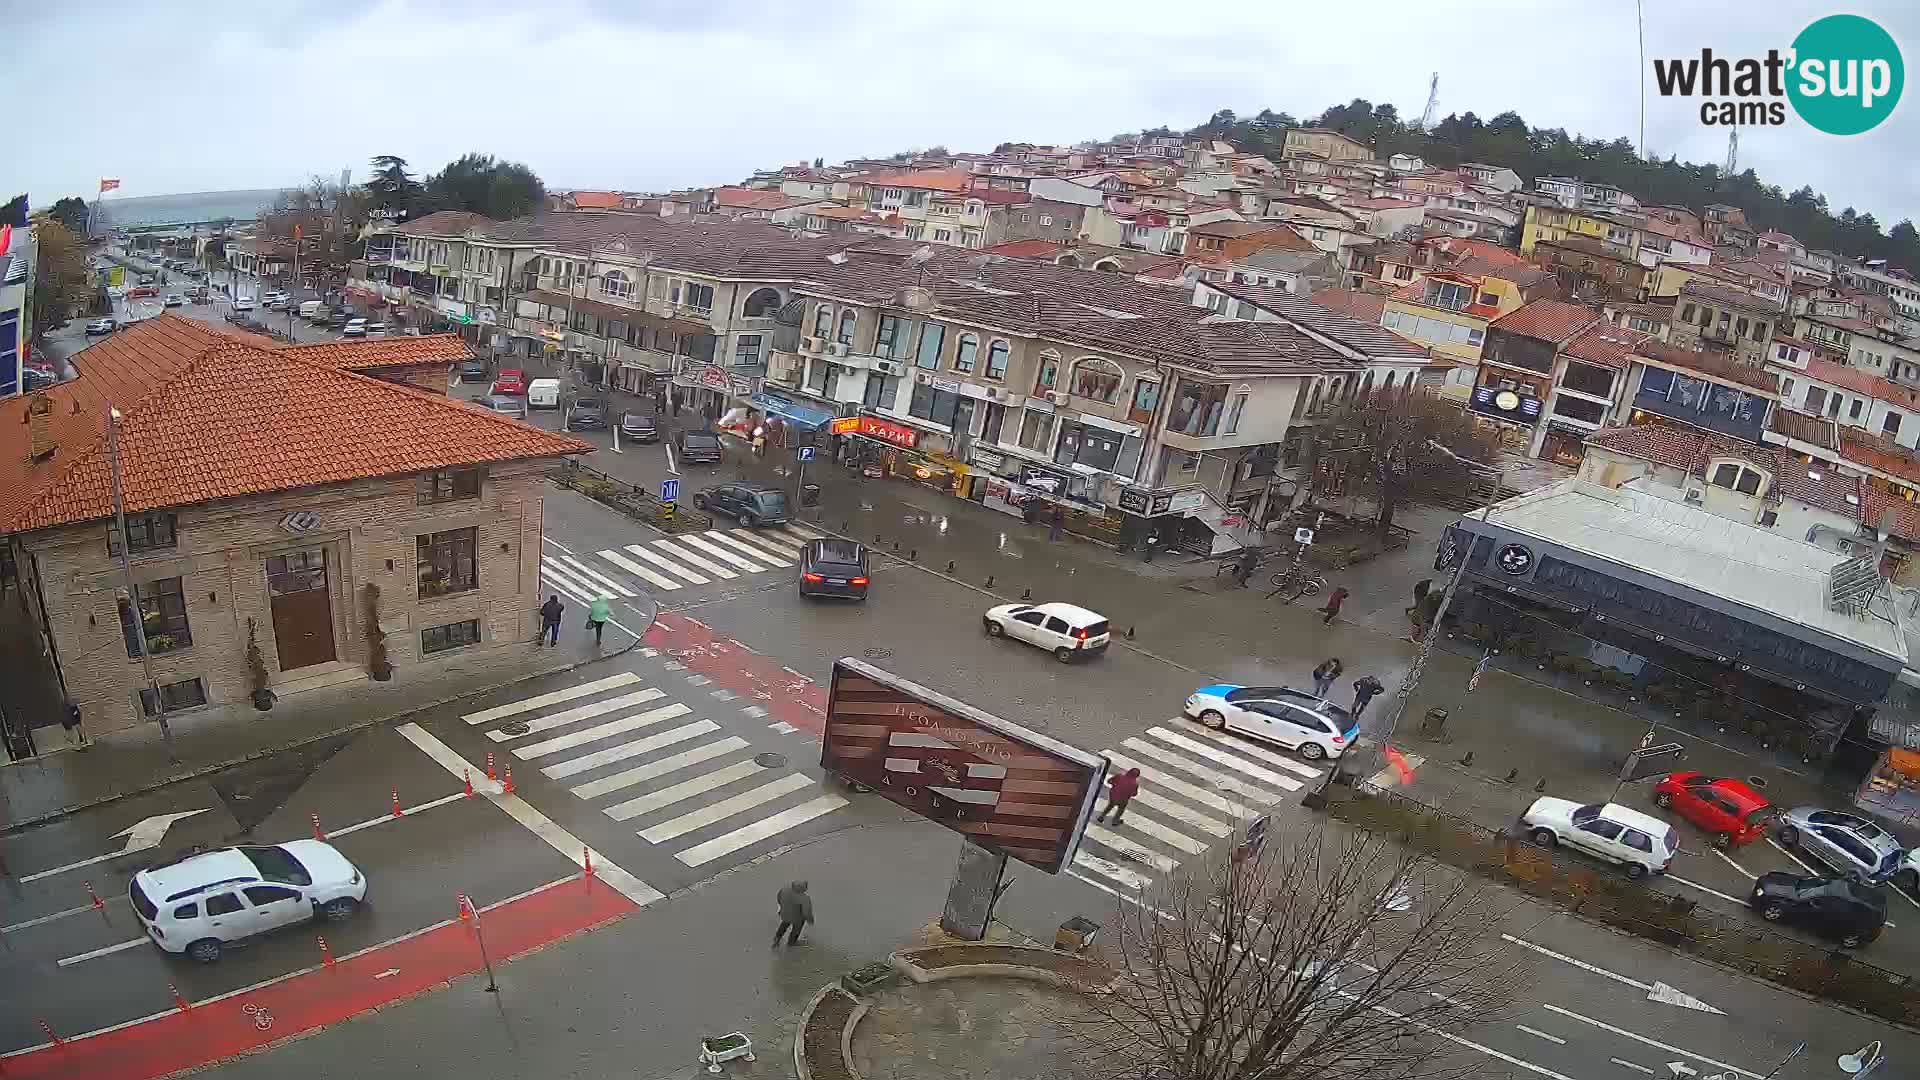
x: 126, y: 578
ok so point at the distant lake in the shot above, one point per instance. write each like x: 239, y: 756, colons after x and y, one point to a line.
x: 194, y: 206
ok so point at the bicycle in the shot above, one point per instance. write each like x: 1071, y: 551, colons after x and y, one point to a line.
x: 1297, y: 581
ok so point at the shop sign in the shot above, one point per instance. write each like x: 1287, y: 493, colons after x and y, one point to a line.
x: 550, y: 332
x: 987, y: 459
x: 843, y: 425
x: 740, y: 385
x: 1183, y: 501
x: 713, y: 378
x: 451, y: 307
x: 889, y: 432
x: 951, y: 386
x: 1135, y: 501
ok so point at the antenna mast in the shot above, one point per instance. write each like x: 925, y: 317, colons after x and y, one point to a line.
x: 1733, y: 152
x: 1433, y: 102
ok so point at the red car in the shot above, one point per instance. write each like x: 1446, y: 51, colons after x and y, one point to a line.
x: 510, y: 381
x: 1732, y: 812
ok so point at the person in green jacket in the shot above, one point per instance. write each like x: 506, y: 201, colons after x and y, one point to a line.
x: 598, y: 613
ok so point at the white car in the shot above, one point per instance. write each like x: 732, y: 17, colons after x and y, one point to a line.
x: 1297, y: 720
x: 1641, y: 843
x: 354, y: 328
x: 244, y: 303
x: 1065, y: 630
x: 201, y: 903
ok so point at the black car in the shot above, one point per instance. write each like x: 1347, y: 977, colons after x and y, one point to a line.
x: 698, y: 447
x: 640, y: 427
x: 750, y: 504
x: 587, y: 412
x: 830, y: 566
x: 1848, y: 912
x: 473, y: 371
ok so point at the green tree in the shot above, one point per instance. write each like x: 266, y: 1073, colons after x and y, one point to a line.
x: 60, y: 275
x: 392, y: 187
x: 14, y: 212
x: 71, y: 212
x: 1382, y: 443
x: 479, y: 184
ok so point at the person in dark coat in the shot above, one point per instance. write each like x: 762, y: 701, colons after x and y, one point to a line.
x: 1365, y: 689
x: 1332, y: 608
x: 1243, y: 570
x: 550, y: 621
x: 1120, y: 791
x: 796, y: 911
x: 1323, y: 676
x: 1057, y: 524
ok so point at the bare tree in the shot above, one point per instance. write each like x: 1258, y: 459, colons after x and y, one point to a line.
x: 1336, y: 956
x: 1381, y: 443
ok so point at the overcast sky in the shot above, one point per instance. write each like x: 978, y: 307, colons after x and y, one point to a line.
x: 655, y: 94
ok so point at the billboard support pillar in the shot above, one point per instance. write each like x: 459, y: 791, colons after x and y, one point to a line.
x: 976, y: 886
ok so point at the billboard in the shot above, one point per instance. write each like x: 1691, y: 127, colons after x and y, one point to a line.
x: 1010, y: 789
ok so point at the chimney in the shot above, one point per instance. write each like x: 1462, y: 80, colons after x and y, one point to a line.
x: 39, y: 428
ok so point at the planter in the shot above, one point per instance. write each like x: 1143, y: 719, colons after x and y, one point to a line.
x: 263, y: 699
x: 868, y: 979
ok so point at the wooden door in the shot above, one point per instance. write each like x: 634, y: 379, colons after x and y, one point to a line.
x: 302, y: 608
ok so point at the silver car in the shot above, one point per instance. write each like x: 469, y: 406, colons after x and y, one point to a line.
x: 1853, y: 846
x: 505, y: 405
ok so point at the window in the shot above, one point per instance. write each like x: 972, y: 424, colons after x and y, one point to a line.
x: 1097, y: 379
x: 1449, y: 295
x: 1197, y: 408
x: 934, y: 406
x: 1890, y: 424
x: 223, y: 904
x: 1238, y: 405
x: 615, y: 283
x: 880, y: 392
x: 1588, y: 379
x: 1853, y: 411
x: 845, y: 336
x: 451, y: 636
x: 1146, y: 396
x: 1035, y: 430
x: 891, y: 338
x: 964, y: 352
x: 150, y: 532
x: 1045, y: 219
x: 1786, y: 388
x: 449, y: 485
x: 943, y: 236
x: 1740, y: 328
x: 185, y: 694
x: 1760, y: 330
x: 1488, y: 299
x: 746, y: 350
x: 262, y: 895
x: 187, y: 911
x: 1816, y: 399
x: 162, y: 612
x: 1049, y: 371
x: 1731, y: 474
x: 1402, y: 272
x: 997, y: 360
x: 761, y: 304
x: 446, y: 562
x: 1190, y: 462
x: 932, y: 336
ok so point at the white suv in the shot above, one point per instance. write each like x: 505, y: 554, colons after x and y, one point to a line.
x: 201, y: 903
x: 1067, y: 631
x: 1641, y: 843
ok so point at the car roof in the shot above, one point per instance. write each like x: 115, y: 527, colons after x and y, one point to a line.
x: 1073, y: 613
x: 763, y: 488
x: 836, y: 549
x: 1627, y: 815
x: 1739, y: 791
x: 196, y: 871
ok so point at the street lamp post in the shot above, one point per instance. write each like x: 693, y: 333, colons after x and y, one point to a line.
x: 126, y: 577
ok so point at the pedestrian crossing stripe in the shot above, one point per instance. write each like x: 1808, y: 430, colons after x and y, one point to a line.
x: 1173, y: 838
x: 726, y: 808
x: 555, y: 697
x: 599, y: 732
x: 1182, y: 813
x: 640, y: 774
x: 724, y: 555
x: 764, y: 829
x: 668, y: 565
x: 1241, y: 746
x: 763, y: 550
x: 758, y: 542
x: 579, y: 713
x: 1113, y: 871
x: 1185, y: 764
x: 585, y: 572
x: 686, y: 789
x: 1238, y: 811
x: 1229, y: 760
x: 687, y: 555
x: 557, y: 577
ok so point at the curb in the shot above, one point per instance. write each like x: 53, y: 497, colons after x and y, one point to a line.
x: 307, y: 740
x: 860, y: 1009
x: 902, y: 961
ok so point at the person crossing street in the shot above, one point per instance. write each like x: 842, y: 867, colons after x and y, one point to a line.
x: 1120, y: 791
x: 1365, y: 689
x: 796, y: 911
x: 599, y: 613
x: 550, y: 613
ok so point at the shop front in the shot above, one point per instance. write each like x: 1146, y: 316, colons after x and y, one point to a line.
x: 709, y: 390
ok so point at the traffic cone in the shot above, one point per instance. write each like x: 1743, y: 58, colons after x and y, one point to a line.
x: 396, y: 802
x: 466, y: 909
x: 490, y: 773
x: 318, y: 832
x: 586, y: 860
x: 507, y: 784
x: 179, y: 1002
x: 52, y: 1035
x: 98, y: 904
x: 326, y: 954
x: 467, y: 776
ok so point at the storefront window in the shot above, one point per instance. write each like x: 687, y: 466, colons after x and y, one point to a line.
x: 1197, y: 408
x: 1088, y: 446
x: 1036, y: 431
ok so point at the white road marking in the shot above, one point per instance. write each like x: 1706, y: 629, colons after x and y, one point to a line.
x: 724, y: 554
x: 1631, y: 1065
x: 579, y: 713
x: 760, y: 830
x: 1218, y: 779
x: 141, y: 836
x: 567, y: 590
x: 1108, y: 838
x: 793, y: 673
x: 686, y: 789
x: 1184, y: 789
x: 405, y: 812
x: 1704, y: 889
x: 726, y: 808
x: 1247, y: 747
x: 132, y: 943
x: 677, y: 552
x: 1728, y: 859
x: 671, y: 467
x: 541, y: 701
x: 1650, y: 1042
x: 801, y: 531
x: 660, y: 561
x: 29, y: 923
x: 1231, y: 761
x: 600, y: 731
x: 619, y: 589
x: 542, y: 826
x: 761, y: 546
x: 1777, y: 846
x: 1537, y: 1033
x: 642, y: 773
x: 550, y: 540
x: 781, y: 727
x: 1183, y: 813
x: 1171, y: 837
x: 560, y: 575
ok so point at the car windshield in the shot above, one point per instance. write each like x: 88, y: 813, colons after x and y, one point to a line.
x: 141, y: 904
x: 1095, y: 629
x: 277, y: 864
x: 842, y: 552
x: 1253, y: 693
x: 773, y: 502
x: 1585, y: 813
x: 504, y: 404
x: 587, y: 405
x: 701, y: 441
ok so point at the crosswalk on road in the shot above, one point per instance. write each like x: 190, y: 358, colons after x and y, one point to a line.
x: 667, y: 565
x: 1197, y: 786
x: 681, y: 779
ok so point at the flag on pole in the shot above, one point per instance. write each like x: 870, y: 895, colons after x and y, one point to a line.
x: 107, y: 185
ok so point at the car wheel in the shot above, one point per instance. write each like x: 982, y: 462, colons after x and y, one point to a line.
x: 1545, y: 838
x: 206, y: 950
x: 1312, y: 751
x: 746, y: 521
x: 1723, y: 841
x: 1789, y: 835
x: 1771, y: 912
x: 994, y: 629
x: 1663, y: 800
x: 1063, y: 654
x: 1213, y: 719
x: 339, y: 910
x: 1635, y: 871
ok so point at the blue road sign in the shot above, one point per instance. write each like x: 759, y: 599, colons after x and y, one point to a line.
x: 670, y: 490
x: 805, y: 453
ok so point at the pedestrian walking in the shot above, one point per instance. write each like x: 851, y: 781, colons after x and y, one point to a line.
x: 1332, y: 608
x: 796, y: 911
x: 550, y: 613
x: 70, y: 720
x: 1243, y: 570
x: 1365, y: 689
x: 1325, y: 674
x: 598, y: 615
x: 1056, y: 525
x: 1120, y: 791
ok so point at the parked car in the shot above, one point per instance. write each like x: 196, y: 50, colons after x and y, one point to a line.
x: 200, y: 904
x: 505, y: 405
x: 640, y: 427
x: 750, y: 504
x: 830, y: 566
x: 174, y: 300
x: 543, y: 394
x: 1067, y: 631
x: 244, y: 303
x: 510, y: 381
x: 1295, y: 719
x: 1853, y: 846
x: 32, y: 379
x: 473, y: 370
x: 1847, y: 912
x: 1641, y: 843
x: 699, y: 447
x: 312, y: 310
x: 101, y: 326
x: 587, y: 412
x: 1733, y: 813
x: 338, y: 317
x: 354, y: 328
x: 376, y: 329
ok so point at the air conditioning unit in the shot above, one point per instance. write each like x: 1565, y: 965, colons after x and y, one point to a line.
x: 890, y: 367
x: 995, y: 393
x: 1694, y: 495
x: 809, y: 344
x: 838, y: 348
x: 1058, y: 397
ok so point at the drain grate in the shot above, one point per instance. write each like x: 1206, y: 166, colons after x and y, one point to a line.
x: 770, y: 760
x: 878, y: 654
x: 518, y: 727
x: 1756, y: 782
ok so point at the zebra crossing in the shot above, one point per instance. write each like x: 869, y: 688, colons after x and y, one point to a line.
x: 1197, y: 785
x: 685, y: 781
x: 673, y: 563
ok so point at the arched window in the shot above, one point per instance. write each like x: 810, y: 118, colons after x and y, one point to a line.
x: 1108, y: 265
x: 761, y: 304
x: 964, y: 352
x: 997, y: 360
x: 1097, y: 379
x: 1313, y: 400
x: 1069, y: 259
x: 823, y: 321
x: 1366, y: 385
x: 615, y: 283
x: 1389, y: 383
x: 1049, y: 371
x: 846, y: 327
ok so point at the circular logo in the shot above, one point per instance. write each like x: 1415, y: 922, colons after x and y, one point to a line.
x: 1515, y: 559
x: 1506, y: 400
x: 1847, y: 74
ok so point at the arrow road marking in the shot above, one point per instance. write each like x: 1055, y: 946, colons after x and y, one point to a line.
x: 142, y: 835
x: 1657, y: 991
x: 387, y: 974
x: 1624, y: 1033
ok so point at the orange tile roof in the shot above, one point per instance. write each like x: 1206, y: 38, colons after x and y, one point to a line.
x: 1365, y: 306
x: 1547, y: 320
x: 205, y: 416
x: 1861, y: 381
x: 1875, y: 452
x: 596, y: 200
x: 936, y: 179
x: 1605, y: 344
x: 740, y: 198
x: 1026, y: 249
x: 369, y: 353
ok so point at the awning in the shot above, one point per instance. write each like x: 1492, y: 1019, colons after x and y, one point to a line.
x: 792, y: 412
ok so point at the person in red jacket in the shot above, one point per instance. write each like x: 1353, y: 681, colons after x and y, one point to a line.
x: 1120, y: 791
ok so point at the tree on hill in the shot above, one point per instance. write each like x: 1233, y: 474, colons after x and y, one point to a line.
x: 479, y: 184
x: 392, y: 187
x: 14, y: 212
x: 71, y: 212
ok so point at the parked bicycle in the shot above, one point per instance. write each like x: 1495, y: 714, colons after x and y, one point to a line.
x: 1297, y: 581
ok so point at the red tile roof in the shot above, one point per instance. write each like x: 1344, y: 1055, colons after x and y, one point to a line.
x: 1026, y: 249
x: 1365, y: 306
x: 1861, y: 381
x: 739, y: 198
x: 1904, y: 516
x: 1605, y: 344
x: 935, y: 179
x: 205, y: 416
x: 1864, y: 448
x: 1547, y: 320
x: 596, y: 200
x: 1692, y: 450
x: 370, y: 353
x: 444, y: 223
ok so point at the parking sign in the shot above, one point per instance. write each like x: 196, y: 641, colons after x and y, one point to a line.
x: 670, y: 489
x: 805, y: 453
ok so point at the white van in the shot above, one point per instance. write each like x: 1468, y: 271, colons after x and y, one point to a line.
x: 311, y: 308
x: 543, y: 394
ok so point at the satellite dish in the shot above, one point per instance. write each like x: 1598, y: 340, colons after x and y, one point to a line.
x: 921, y: 255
